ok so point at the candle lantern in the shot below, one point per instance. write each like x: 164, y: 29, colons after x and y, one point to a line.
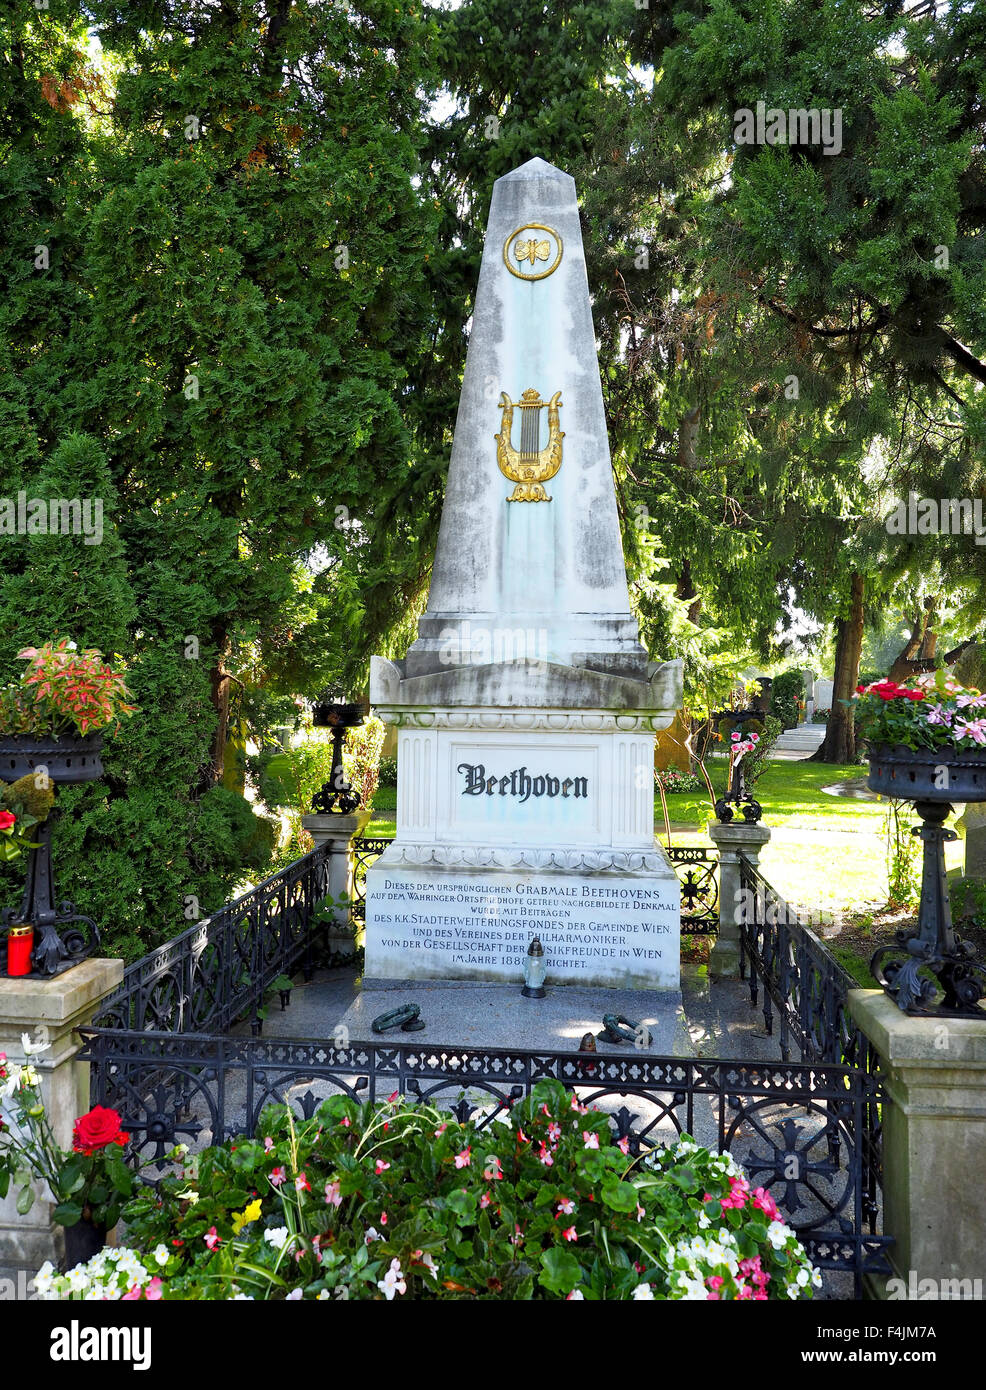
x: 534, y: 971
x: 20, y: 941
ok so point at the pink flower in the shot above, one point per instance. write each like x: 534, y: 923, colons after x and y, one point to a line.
x: 345, y: 1121
x: 392, y: 1097
x: 463, y: 1159
x: 522, y: 1137
x: 569, y: 1233
x: 277, y: 1176
x: 381, y: 1166
x: 763, y: 1201
x: 565, y: 1206
x: 493, y: 1172
x: 333, y: 1196
x: 545, y: 1157
x: 154, y: 1289
x: 440, y: 1130
x: 132, y: 1294
x: 623, y: 1144
x: 211, y: 1237
x: 301, y: 1184
x: 591, y: 1141
x: 485, y: 1200
x: 640, y: 1213
x: 383, y: 1218
x: 974, y: 729
x: 554, y: 1132
x: 268, y: 1144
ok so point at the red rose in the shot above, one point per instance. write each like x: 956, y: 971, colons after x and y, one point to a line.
x: 96, y: 1130
x: 7, y: 819
x: 913, y: 694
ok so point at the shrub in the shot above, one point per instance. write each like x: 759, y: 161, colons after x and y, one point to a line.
x: 786, y: 694
x: 672, y: 780
x: 388, y: 772
x: 376, y: 1201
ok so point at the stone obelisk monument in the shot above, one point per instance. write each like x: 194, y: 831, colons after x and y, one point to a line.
x: 527, y: 708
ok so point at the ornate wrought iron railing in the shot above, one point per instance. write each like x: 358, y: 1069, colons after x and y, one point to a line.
x: 800, y: 979
x: 810, y: 991
x: 364, y: 850
x: 697, y: 869
x: 221, y: 969
x: 797, y: 1129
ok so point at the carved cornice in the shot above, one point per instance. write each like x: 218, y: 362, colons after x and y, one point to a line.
x: 628, y: 861
x: 550, y: 720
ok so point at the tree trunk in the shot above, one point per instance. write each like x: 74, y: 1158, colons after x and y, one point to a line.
x: 839, y: 745
x: 220, y: 685
x: 919, y: 651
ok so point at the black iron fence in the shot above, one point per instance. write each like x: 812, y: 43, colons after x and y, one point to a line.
x: 797, y: 976
x: 222, y: 969
x: 796, y: 1129
x: 697, y: 869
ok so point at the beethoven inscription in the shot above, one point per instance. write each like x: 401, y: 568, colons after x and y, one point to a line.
x: 605, y: 930
x: 519, y: 783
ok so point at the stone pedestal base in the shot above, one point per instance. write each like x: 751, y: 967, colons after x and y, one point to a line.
x: 49, y: 1011
x: 934, y: 1144
x: 732, y: 840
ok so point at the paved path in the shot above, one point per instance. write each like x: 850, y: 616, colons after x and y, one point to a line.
x: 796, y: 744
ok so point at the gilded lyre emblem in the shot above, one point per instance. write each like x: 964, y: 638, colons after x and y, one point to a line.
x: 529, y: 467
x: 532, y: 252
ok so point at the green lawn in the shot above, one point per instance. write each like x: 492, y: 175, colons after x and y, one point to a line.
x: 828, y: 853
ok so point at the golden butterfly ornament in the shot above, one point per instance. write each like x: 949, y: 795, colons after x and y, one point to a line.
x: 532, y: 250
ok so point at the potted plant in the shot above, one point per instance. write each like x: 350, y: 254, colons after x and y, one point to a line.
x: 56, y: 714
x: 52, y: 724
x: 89, y: 1183
x: 927, y: 744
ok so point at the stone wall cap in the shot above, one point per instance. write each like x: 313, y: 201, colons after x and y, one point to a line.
x: 61, y: 999
x: 902, y: 1038
x: 739, y: 832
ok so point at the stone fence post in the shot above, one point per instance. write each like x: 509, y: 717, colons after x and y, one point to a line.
x: 339, y: 832
x: 934, y: 1146
x: 732, y: 839
x: 48, y: 1011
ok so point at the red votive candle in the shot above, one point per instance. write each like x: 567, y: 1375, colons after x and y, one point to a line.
x: 20, y: 941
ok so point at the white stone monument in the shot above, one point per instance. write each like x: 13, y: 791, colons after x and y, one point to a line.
x: 527, y: 708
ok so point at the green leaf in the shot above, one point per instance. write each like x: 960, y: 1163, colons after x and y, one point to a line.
x: 68, y: 1213
x: 561, y: 1270
x: 25, y: 1200
x: 621, y: 1196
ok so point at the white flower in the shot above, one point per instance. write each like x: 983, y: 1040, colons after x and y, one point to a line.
x: 393, y: 1281
x: 294, y: 1295
x: 703, y: 1221
x: 277, y: 1237
x: 802, y: 1278
x: 576, y: 1296
x: 242, y: 1298
x: 44, y: 1279
x: 372, y: 1235
x: 322, y: 1295
x: 816, y: 1278
x: 643, y: 1291
x: 161, y: 1254
x: 31, y: 1049
x: 777, y: 1234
